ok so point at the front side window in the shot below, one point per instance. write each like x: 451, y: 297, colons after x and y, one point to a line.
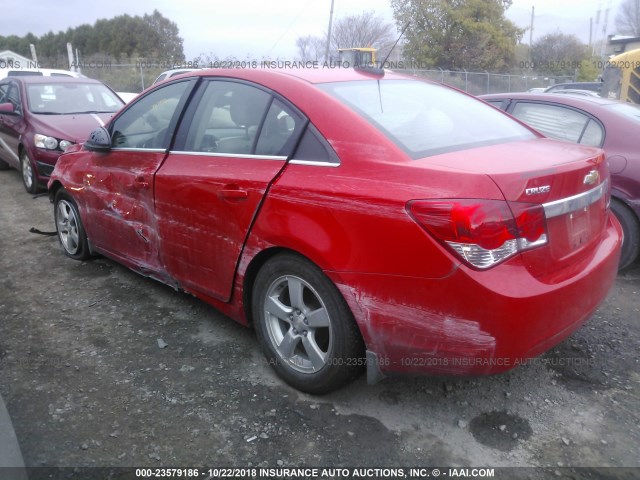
x: 427, y: 119
x: 145, y: 124
x: 9, y: 93
x: 4, y: 89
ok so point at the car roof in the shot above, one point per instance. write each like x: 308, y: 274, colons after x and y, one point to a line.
x: 310, y: 75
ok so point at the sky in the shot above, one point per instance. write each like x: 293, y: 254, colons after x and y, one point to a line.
x: 256, y: 29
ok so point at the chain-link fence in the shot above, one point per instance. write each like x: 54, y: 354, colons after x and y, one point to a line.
x: 480, y: 83
x: 137, y: 77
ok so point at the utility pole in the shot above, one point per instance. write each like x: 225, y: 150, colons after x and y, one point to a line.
x: 533, y: 11
x: 326, y: 51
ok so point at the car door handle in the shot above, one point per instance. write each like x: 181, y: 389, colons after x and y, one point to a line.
x: 233, y: 193
x: 141, y: 182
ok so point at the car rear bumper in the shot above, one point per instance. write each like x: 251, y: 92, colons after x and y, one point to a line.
x: 474, y: 322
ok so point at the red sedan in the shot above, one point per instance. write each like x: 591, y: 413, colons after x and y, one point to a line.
x: 355, y: 219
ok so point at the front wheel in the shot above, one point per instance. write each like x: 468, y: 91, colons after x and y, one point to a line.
x: 69, y: 227
x: 304, y: 326
x: 28, y: 174
x: 631, y: 231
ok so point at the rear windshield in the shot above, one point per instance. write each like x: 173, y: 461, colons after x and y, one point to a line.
x: 626, y: 109
x: 427, y: 119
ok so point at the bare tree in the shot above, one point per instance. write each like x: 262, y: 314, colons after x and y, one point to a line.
x: 310, y: 48
x: 628, y: 18
x: 364, y: 30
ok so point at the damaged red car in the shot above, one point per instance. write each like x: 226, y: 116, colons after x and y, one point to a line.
x: 357, y: 219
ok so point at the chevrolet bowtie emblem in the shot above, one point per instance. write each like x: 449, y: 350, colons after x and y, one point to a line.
x: 592, y: 177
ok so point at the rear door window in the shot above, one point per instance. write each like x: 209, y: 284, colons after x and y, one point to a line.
x: 560, y: 122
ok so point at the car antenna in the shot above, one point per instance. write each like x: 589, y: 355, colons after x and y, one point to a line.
x: 379, y: 70
x: 394, y: 45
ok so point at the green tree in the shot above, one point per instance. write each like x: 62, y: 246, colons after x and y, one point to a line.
x: 122, y: 37
x: 167, y: 36
x: 559, y: 54
x: 458, y: 34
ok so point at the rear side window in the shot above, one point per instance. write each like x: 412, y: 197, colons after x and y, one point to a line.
x: 561, y: 123
x: 227, y: 119
x: 313, y: 148
x: 238, y: 119
x: 427, y: 119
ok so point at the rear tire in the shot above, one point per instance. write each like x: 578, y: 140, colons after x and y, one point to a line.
x: 304, y: 326
x: 69, y: 227
x: 631, y: 230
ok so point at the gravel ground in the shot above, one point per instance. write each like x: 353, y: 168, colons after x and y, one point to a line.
x: 87, y: 384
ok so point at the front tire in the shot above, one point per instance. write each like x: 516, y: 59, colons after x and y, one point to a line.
x: 631, y: 230
x: 69, y: 227
x: 28, y: 174
x: 304, y: 326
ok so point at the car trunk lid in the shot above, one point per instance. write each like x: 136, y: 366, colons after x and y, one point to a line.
x: 570, y: 181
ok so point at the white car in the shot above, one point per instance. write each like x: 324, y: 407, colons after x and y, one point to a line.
x: 44, y: 72
x: 127, y: 96
x: 172, y: 73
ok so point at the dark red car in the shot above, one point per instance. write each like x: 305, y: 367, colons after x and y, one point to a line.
x: 42, y: 116
x: 610, y: 124
x: 355, y: 219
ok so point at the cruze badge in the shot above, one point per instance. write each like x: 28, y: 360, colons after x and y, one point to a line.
x: 537, y: 190
x: 592, y: 177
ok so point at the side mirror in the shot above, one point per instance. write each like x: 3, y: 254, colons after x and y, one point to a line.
x: 99, y: 140
x: 7, y: 108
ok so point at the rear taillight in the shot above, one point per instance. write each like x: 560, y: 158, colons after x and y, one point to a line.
x: 482, y: 232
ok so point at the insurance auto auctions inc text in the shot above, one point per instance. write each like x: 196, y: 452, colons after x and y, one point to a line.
x: 345, y: 473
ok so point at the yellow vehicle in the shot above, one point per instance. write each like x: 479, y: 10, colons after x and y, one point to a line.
x: 622, y: 77
x: 358, y: 56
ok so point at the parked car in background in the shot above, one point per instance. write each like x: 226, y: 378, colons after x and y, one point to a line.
x: 575, y: 91
x: 345, y: 214
x: 41, y: 116
x: 38, y: 72
x: 610, y: 124
x: 593, y: 86
x: 127, y: 96
x: 172, y: 73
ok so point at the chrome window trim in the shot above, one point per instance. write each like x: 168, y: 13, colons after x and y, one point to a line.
x: 575, y: 202
x: 231, y: 155
x: 314, y: 163
x: 155, y: 150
